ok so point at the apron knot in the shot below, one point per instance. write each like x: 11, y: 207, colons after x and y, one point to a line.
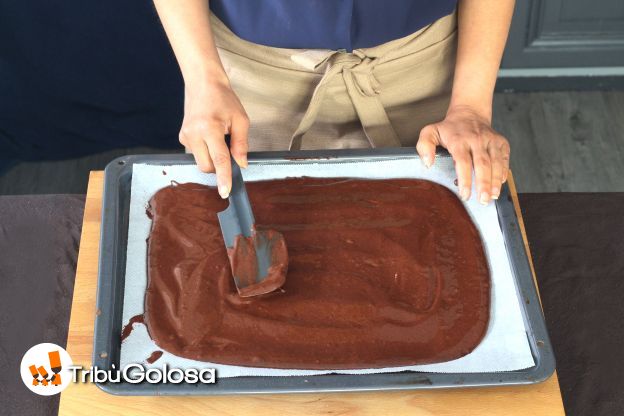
x: 360, y: 68
x: 363, y: 89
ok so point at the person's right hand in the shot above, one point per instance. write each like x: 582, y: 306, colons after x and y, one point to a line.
x: 211, y: 111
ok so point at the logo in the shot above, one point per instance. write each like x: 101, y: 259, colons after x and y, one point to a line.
x: 45, y: 369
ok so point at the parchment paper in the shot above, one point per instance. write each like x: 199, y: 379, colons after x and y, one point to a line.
x: 504, y: 348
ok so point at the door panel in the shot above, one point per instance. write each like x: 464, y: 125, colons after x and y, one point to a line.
x: 566, y: 33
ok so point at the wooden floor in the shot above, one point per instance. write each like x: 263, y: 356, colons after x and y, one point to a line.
x: 560, y: 141
x: 564, y: 141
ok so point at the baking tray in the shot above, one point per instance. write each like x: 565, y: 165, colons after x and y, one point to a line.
x: 111, y: 279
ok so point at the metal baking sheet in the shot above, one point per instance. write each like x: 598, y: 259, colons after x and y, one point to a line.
x: 111, y: 279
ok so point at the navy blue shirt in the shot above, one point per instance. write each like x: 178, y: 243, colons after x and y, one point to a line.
x: 327, y: 24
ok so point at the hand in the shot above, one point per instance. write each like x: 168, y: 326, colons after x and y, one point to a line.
x: 211, y: 111
x: 471, y: 141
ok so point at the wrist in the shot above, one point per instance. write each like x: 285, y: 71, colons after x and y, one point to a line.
x: 199, y: 78
x: 465, y: 96
x: 480, y: 107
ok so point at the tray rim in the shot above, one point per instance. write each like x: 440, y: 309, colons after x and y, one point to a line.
x: 110, y: 287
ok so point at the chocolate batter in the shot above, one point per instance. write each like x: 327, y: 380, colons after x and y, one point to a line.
x: 244, y: 262
x: 380, y: 273
x: 155, y: 356
x: 127, y: 329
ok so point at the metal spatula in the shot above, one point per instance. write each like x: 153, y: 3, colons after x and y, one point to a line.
x: 259, y: 259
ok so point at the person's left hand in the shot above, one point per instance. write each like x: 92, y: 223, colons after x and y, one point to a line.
x: 471, y: 141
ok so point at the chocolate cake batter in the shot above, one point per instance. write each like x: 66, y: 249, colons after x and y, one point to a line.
x: 155, y: 356
x: 380, y: 273
x: 244, y: 262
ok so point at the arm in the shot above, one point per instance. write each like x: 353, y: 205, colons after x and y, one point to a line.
x: 466, y: 131
x: 211, y: 108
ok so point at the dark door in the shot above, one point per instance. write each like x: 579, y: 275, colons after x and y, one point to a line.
x: 566, y: 34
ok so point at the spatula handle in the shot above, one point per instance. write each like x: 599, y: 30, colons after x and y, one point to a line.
x: 239, y: 210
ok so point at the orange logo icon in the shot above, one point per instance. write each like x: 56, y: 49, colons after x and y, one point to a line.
x: 45, y: 369
x: 55, y: 366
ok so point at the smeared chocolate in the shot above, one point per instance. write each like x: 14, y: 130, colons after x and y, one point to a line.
x: 154, y: 357
x: 380, y: 273
x: 244, y: 262
x: 127, y: 329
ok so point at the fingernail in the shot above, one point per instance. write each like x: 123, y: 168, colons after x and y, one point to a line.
x: 224, y: 191
x: 426, y: 161
x: 484, y: 198
x: 464, y: 193
x: 495, y: 193
x: 244, y: 162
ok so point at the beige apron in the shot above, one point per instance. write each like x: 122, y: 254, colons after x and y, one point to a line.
x: 324, y: 99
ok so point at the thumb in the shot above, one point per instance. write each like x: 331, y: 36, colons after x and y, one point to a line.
x: 427, y: 141
x: 238, y: 140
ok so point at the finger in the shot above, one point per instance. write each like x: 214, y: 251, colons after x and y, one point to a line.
x: 238, y: 139
x: 220, y: 155
x: 183, y: 140
x: 483, y: 174
x: 463, y: 167
x: 200, y: 152
x: 505, y: 153
x: 497, y: 170
x: 428, y: 139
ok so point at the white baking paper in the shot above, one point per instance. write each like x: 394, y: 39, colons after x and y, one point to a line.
x: 504, y: 348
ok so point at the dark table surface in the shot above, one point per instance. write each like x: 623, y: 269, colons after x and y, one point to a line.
x: 577, y: 243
